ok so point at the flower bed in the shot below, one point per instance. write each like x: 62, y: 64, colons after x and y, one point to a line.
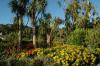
x: 66, y: 55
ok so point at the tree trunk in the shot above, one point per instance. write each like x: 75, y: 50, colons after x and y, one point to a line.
x: 33, y: 19
x: 34, y: 31
x: 20, y: 32
x: 48, y: 39
x: 34, y: 37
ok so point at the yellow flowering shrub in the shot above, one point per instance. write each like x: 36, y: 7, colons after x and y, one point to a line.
x: 65, y: 55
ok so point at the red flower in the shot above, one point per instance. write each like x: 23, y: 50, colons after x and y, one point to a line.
x: 30, y: 52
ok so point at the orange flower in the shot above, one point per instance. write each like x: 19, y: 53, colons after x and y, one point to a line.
x: 18, y: 56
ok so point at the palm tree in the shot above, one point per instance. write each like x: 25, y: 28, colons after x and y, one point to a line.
x: 18, y: 7
x: 35, y: 8
x: 48, y: 20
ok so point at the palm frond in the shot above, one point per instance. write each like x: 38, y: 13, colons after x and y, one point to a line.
x: 14, y: 5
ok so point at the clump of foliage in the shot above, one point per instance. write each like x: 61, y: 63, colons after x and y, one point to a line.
x: 16, y: 62
x: 76, y: 37
x: 12, y: 39
x: 93, y: 38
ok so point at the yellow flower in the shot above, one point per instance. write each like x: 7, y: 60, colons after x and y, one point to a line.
x: 22, y: 54
x: 67, y: 57
x: 55, y: 57
x: 49, y: 55
x: 77, y: 64
x: 63, y: 62
x: 67, y: 64
x: 58, y: 61
x: 62, y: 54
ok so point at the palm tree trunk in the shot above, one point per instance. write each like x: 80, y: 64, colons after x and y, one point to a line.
x: 34, y: 37
x: 48, y: 39
x: 33, y: 28
x: 20, y: 32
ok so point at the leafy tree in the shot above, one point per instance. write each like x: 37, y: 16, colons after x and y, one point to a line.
x: 68, y: 24
x: 79, y: 12
x: 45, y: 28
x: 55, y: 30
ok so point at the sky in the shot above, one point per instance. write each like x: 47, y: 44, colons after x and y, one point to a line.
x: 6, y: 16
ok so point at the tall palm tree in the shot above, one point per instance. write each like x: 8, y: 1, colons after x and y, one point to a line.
x: 18, y: 7
x: 35, y: 8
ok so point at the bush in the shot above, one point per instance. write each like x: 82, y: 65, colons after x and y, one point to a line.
x: 87, y: 37
x: 76, y: 37
x: 38, y: 62
x: 16, y: 62
x: 4, y: 63
x: 93, y: 38
x: 21, y: 62
x: 2, y: 47
x: 41, y: 41
x: 12, y: 39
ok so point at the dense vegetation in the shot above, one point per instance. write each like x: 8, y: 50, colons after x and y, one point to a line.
x: 47, y: 43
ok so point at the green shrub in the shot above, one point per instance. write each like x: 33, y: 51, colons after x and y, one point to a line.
x: 2, y: 47
x: 38, y: 62
x: 41, y: 41
x: 10, y: 42
x: 76, y: 37
x: 4, y: 63
x: 12, y: 39
x: 22, y: 62
x: 93, y: 38
x: 2, y: 50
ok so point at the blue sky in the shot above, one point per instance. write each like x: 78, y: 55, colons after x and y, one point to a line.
x: 6, y: 15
